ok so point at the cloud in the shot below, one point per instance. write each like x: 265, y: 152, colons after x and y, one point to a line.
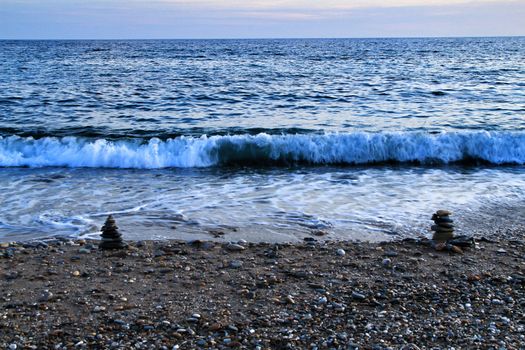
x: 258, y: 18
x: 316, y: 4
x: 275, y: 15
x: 308, y: 10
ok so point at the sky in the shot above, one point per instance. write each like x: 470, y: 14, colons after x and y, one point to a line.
x: 193, y: 19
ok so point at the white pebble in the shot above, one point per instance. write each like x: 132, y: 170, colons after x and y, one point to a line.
x: 340, y: 252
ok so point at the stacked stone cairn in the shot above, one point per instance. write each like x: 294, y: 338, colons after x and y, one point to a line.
x: 444, y: 238
x: 443, y: 226
x: 111, y: 237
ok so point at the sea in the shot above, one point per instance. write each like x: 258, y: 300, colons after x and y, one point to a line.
x: 262, y: 140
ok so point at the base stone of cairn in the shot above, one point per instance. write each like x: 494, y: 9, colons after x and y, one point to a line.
x: 111, y: 237
x: 443, y: 226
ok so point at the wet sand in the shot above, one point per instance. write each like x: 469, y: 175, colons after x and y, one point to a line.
x: 65, y: 294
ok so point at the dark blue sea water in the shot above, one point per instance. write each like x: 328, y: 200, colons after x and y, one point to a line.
x: 262, y: 139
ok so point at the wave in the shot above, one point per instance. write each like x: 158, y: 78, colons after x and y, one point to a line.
x: 359, y: 148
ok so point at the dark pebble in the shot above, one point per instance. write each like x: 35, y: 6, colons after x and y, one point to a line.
x: 358, y: 296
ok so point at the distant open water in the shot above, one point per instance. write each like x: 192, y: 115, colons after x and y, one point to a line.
x: 260, y: 139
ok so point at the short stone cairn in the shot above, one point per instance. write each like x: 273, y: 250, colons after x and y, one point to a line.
x: 111, y: 237
x: 443, y: 226
x: 444, y: 238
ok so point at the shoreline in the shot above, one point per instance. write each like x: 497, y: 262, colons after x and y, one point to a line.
x: 67, y: 294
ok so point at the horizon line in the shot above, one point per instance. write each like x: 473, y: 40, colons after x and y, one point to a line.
x: 275, y: 38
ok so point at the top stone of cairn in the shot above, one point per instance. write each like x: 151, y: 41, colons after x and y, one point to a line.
x: 443, y: 213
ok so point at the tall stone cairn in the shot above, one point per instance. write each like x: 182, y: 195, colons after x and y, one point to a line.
x: 111, y: 237
x: 443, y: 226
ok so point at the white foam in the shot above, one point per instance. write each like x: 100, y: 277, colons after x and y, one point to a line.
x: 350, y: 148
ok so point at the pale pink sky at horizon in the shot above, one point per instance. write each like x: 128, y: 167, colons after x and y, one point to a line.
x: 72, y: 19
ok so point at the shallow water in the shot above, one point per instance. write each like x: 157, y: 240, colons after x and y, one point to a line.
x: 257, y: 204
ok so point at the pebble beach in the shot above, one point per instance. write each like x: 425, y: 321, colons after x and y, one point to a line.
x: 69, y: 294
x: 271, y: 193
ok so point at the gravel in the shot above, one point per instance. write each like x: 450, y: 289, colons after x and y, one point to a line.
x: 175, y: 295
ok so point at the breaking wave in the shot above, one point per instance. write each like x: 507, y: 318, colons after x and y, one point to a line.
x: 358, y: 148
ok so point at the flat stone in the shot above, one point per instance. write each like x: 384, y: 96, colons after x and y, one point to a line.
x: 232, y: 247
x: 462, y: 241
x: 320, y: 233
x: 358, y: 296
x: 441, y: 219
x: 448, y: 225
x: 442, y: 212
x: 235, y: 264
x: 438, y: 228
